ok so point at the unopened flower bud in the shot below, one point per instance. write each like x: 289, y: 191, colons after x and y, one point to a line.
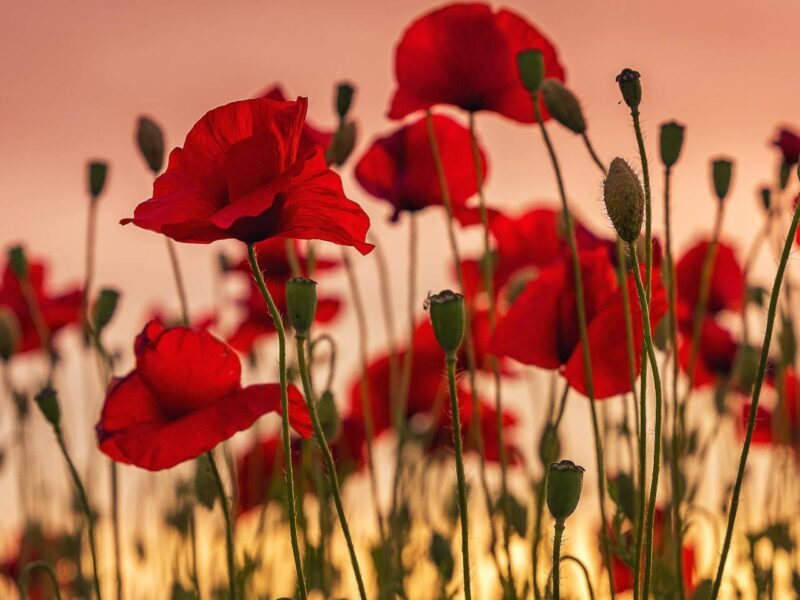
x: 624, y: 200
x: 344, y: 99
x: 671, y: 142
x: 630, y: 85
x: 301, y: 303
x: 341, y: 145
x: 151, y: 143
x: 563, y: 106
x: 549, y: 445
x: 766, y: 198
x: 564, y: 484
x: 98, y: 170
x: 447, y: 317
x: 47, y: 401
x: 721, y: 173
x: 18, y: 262
x: 530, y: 65
x: 9, y: 333
x: 783, y: 175
x: 104, y: 308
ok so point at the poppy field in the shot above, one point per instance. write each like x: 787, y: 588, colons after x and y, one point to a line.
x: 255, y: 450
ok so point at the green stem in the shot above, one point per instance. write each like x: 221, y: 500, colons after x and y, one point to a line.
x: 592, y: 153
x: 751, y: 422
x: 559, y: 532
x: 223, y: 501
x: 462, y: 481
x: 114, y: 478
x: 648, y: 214
x: 583, y: 568
x: 584, y: 338
x: 176, y: 273
x: 287, y: 448
x: 330, y: 465
x: 22, y: 582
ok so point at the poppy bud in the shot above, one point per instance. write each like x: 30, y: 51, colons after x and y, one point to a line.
x: 18, y: 262
x: 549, y: 445
x: 9, y: 333
x: 329, y: 415
x: 447, y: 317
x: 563, y: 106
x: 47, y: 401
x: 624, y: 200
x: 530, y: 64
x: 301, y: 303
x: 151, y: 143
x: 344, y: 99
x: 783, y: 175
x: 630, y: 85
x: 721, y: 173
x: 671, y: 142
x: 766, y: 198
x: 104, y: 308
x: 564, y: 483
x: 342, y: 144
x: 98, y: 170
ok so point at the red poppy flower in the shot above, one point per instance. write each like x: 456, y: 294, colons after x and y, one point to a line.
x: 465, y: 55
x: 240, y: 175
x: 258, y: 469
x: 32, y: 545
x: 183, y: 398
x: 399, y: 167
x: 58, y: 310
x: 541, y: 326
x: 774, y: 425
x: 716, y: 353
x: 727, y: 280
x: 312, y: 137
x: 789, y: 144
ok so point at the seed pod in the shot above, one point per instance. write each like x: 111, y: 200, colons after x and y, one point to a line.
x: 530, y: 65
x: 766, y: 198
x: 151, y: 143
x: 344, y: 99
x: 671, y: 142
x: 18, y: 262
x: 47, y: 401
x: 630, y: 85
x: 9, y: 333
x: 624, y: 200
x: 563, y: 106
x: 301, y: 303
x: 98, y: 170
x: 721, y: 173
x: 447, y: 317
x: 564, y: 484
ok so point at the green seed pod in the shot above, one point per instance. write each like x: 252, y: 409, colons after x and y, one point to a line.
x: 563, y: 106
x: 447, y: 317
x: 344, y: 99
x: 766, y: 198
x: 342, y: 144
x: 721, y: 173
x: 783, y: 175
x: 151, y: 143
x: 98, y: 170
x: 328, y: 414
x: 630, y: 85
x: 530, y: 65
x: 47, y: 401
x: 9, y: 333
x: 549, y: 445
x: 624, y: 200
x: 564, y: 483
x: 301, y: 303
x: 104, y: 308
x: 18, y: 262
x: 671, y: 142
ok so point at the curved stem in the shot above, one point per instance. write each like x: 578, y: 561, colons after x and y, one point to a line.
x: 287, y: 448
x: 223, y: 501
x: 176, y: 273
x: 330, y: 465
x: 585, y: 570
x: 559, y: 532
x: 22, y: 582
x: 751, y: 421
x: 592, y: 153
x: 312, y: 346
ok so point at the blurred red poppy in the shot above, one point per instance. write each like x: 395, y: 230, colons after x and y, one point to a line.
x: 312, y: 137
x: 716, y: 353
x: 399, y: 167
x: 33, y: 545
x: 240, y: 175
x: 258, y: 469
x: 726, y: 291
x: 183, y: 398
x: 781, y: 424
x: 789, y: 144
x: 57, y: 310
x: 465, y: 55
x: 541, y: 327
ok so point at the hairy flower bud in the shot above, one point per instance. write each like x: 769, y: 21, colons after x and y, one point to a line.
x: 624, y: 200
x: 18, y: 262
x: 151, y: 143
x: 671, y: 142
x: 721, y: 173
x: 98, y: 170
x: 9, y: 333
x: 630, y: 85
x: 301, y: 303
x: 344, y: 99
x: 563, y: 106
x: 47, y: 401
x: 447, y: 317
x: 530, y: 65
x: 564, y: 484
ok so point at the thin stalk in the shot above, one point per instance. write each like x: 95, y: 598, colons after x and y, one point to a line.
x: 584, y: 338
x: 648, y: 214
x: 22, y: 582
x: 592, y: 153
x: 179, y: 284
x: 193, y: 546
x: 114, y: 482
x: 648, y: 343
x: 287, y: 449
x: 91, y: 236
x: 229, y: 550
x: 751, y: 422
x: 462, y: 480
x: 762, y: 236
x: 558, y: 530
x: 331, y: 466
x: 583, y: 568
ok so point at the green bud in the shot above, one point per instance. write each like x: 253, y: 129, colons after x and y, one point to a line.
x: 328, y: 414
x: 342, y: 144
x: 783, y: 175
x: 721, y: 173
x: 564, y: 483
x: 98, y: 170
x: 549, y: 445
x: 104, y: 308
x: 624, y: 200
x: 47, y: 401
x: 9, y: 333
x: 151, y: 143
x: 563, y: 106
x: 344, y: 99
x: 18, y: 262
x: 205, y: 487
x: 671, y: 142
x: 630, y: 85
x: 301, y: 303
x: 766, y: 198
x: 530, y: 65
x: 447, y: 317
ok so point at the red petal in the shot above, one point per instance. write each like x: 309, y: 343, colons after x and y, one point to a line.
x: 727, y: 281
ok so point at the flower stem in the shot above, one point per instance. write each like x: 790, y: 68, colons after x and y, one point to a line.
x: 229, y: 551
x: 585, y: 570
x: 287, y: 448
x: 176, y: 273
x: 558, y: 529
x: 330, y: 465
x: 592, y: 153
x: 751, y: 421
x: 650, y: 349
x: 648, y: 211
x: 584, y: 338
x: 462, y: 482
x: 22, y: 582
